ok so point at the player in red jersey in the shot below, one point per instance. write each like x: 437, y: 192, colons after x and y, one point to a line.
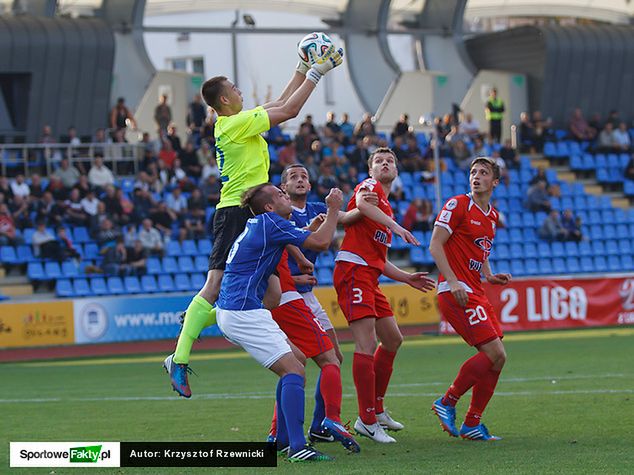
x: 359, y: 263
x: 304, y: 330
x: 460, y: 244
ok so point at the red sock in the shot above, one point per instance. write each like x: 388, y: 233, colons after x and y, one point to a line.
x: 482, y: 392
x: 273, y: 430
x: 330, y: 386
x: 471, y: 371
x: 383, y: 364
x: 364, y: 380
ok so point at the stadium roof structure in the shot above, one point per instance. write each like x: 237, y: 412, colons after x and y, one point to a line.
x: 611, y: 11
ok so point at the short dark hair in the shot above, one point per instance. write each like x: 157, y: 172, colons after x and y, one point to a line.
x: 212, y: 90
x: 495, y: 168
x: 256, y: 198
x: 381, y: 150
x: 286, y: 170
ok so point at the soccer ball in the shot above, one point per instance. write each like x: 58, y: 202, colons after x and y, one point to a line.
x: 317, y: 42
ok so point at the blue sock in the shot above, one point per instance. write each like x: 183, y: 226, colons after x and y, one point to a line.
x: 293, y: 408
x: 282, y: 433
x: 320, y: 409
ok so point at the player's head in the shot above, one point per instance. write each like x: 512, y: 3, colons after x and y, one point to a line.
x: 484, y: 175
x: 222, y: 95
x: 382, y: 165
x: 295, y: 180
x: 267, y: 198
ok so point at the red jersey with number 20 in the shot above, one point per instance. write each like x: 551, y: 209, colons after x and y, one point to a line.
x: 366, y: 241
x: 472, y: 231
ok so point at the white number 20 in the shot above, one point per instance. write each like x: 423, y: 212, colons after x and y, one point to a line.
x: 476, y: 315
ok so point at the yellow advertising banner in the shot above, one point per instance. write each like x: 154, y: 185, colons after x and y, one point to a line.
x: 411, y: 307
x: 36, y: 324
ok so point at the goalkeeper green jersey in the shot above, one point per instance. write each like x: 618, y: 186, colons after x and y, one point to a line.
x: 242, y: 153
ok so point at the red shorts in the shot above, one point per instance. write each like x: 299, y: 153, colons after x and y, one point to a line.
x: 358, y: 292
x: 302, y: 328
x: 476, y: 323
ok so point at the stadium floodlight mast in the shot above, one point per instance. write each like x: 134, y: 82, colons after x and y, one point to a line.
x: 427, y: 121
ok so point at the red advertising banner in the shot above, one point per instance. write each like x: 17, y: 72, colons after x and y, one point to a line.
x: 547, y: 304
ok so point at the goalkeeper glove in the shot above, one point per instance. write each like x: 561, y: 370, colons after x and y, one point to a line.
x: 321, y: 65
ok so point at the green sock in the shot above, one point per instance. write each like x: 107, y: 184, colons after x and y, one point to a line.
x: 199, y: 314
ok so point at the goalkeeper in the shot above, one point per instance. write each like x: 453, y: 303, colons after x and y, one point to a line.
x: 243, y: 160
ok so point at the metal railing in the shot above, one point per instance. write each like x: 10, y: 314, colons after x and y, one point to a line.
x: 28, y: 159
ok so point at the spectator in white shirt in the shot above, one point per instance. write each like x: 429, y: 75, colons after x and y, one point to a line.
x: 150, y: 237
x: 99, y: 175
x: 20, y: 188
x: 90, y: 203
x: 470, y: 126
x: 622, y: 137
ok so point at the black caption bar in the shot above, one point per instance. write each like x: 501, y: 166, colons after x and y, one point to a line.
x: 198, y: 454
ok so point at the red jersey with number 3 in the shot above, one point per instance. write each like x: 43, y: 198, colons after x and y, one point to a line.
x: 366, y: 241
x: 472, y: 230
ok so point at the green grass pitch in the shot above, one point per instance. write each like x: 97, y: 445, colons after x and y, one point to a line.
x: 564, y: 404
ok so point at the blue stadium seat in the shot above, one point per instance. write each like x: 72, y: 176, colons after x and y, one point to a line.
x: 64, y: 288
x: 567, y: 203
x: 611, y: 247
x: 8, y: 255
x: 557, y: 249
x: 596, y: 232
x: 503, y: 266
x: 501, y: 251
x: 605, y: 202
x: 594, y: 217
x: 598, y: 248
x: 98, y: 286
x: 600, y: 264
x: 586, y: 264
x: 174, y: 249
x: 576, y: 162
x: 516, y: 250
x: 324, y: 276
x: 579, y: 203
x: 81, y: 287
x: 602, y: 175
x: 543, y: 250
x: 70, y: 269
x: 182, y: 282
x: 91, y: 251
x: 571, y: 249
x: 515, y: 221
x: 204, y: 247
x: 627, y: 263
x: 189, y: 248
x: 148, y: 284
x: 531, y: 266
x: 625, y: 247
x: 515, y: 235
x: 25, y: 254
x: 115, y: 286
x: 153, y: 265
x: 517, y: 267
x: 80, y: 235
x: 185, y: 264
x: 197, y: 280
x: 572, y: 263
x: 52, y: 270
x: 559, y: 265
x: 417, y: 256
x: 169, y: 265
x: 530, y: 235
x: 165, y: 283
x: 27, y: 235
x: 530, y: 250
x: 132, y: 284
x: 607, y: 216
x: 201, y: 263
x: 545, y: 266
x: 528, y: 220
x: 620, y: 216
x: 614, y: 263
x: 550, y: 150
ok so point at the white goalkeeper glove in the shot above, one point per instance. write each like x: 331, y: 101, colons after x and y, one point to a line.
x: 320, y: 65
x: 302, y: 67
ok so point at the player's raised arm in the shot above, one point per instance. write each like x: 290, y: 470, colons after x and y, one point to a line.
x: 436, y: 247
x: 371, y: 211
x: 291, y: 106
x: 320, y: 240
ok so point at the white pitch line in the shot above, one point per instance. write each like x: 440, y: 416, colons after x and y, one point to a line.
x: 527, y: 380
x: 246, y: 396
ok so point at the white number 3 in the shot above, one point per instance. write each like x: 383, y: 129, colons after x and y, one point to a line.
x: 476, y: 315
x: 357, y: 296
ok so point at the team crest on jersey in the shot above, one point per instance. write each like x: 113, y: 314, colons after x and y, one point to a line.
x: 368, y: 183
x: 485, y: 244
x: 451, y: 204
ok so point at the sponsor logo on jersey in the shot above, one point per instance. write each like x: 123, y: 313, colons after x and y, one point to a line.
x: 381, y: 236
x: 451, y: 204
x: 445, y: 216
x: 478, y: 223
x: 475, y: 265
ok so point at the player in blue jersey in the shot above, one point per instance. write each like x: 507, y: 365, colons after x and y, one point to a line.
x: 241, y: 315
